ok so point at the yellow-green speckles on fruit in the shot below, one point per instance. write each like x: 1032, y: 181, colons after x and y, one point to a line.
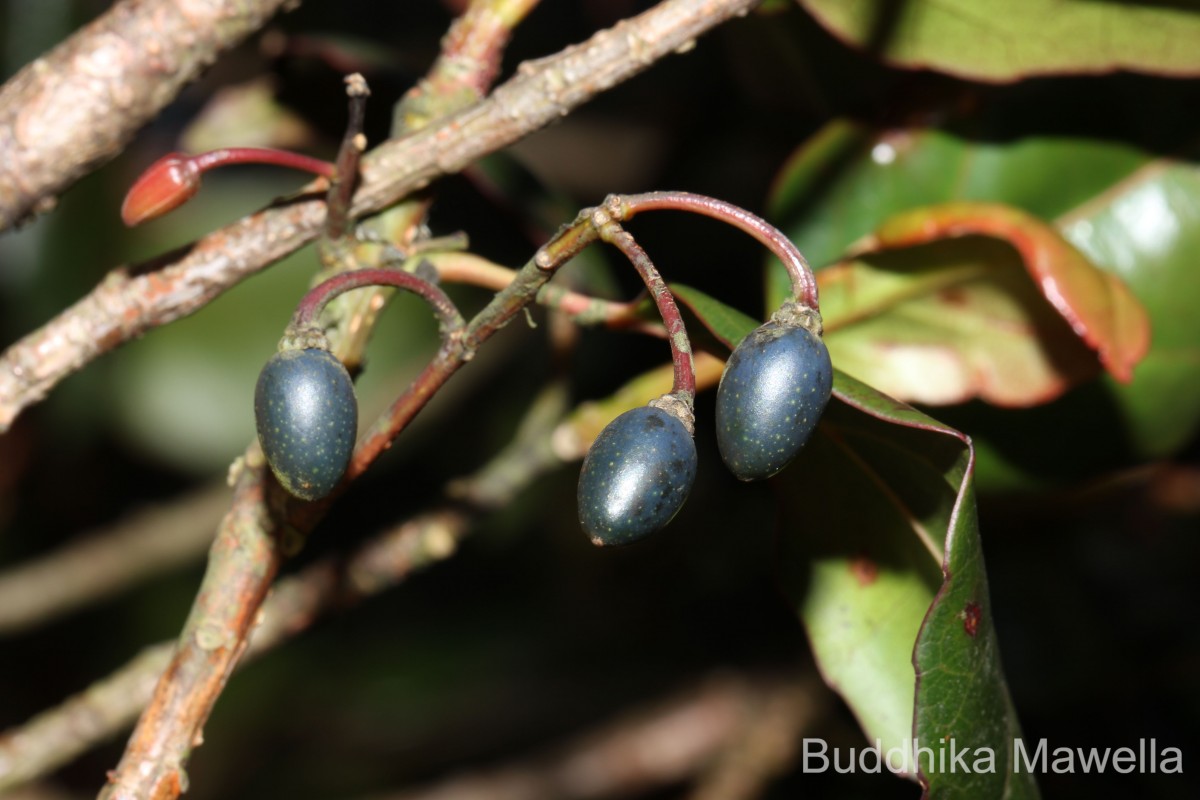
x: 775, y: 386
x: 636, y: 476
x: 307, y: 419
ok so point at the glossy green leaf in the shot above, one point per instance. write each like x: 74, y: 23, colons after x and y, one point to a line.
x: 1147, y: 230
x: 726, y: 323
x: 973, y: 317
x: 1130, y: 213
x: 880, y: 554
x: 859, y: 580
x: 882, y: 500
x: 1004, y: 41
x: 847, y: 180
x: 1096, y: 304
x: 947, y: 322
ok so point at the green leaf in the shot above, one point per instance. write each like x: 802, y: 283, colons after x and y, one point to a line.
x: 973, y: 317
x: 879, y: 500
x: 1147, y: 230
x: 881, y: 557
x: 948, y: 322
x: 1130, y: 213
x: 845, y: 181
x: 1018, y: 38
x: 1096, y: 304
x: 724, y: 322
x: 859, y: 580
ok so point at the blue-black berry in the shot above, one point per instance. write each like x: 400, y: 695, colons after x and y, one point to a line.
x: 774, y: 388
x: 636, y: 476
x: 307, y: 418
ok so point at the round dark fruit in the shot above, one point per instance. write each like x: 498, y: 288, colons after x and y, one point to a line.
x: 636, y: 476
x: 307, y: 420
x: 774, y: 388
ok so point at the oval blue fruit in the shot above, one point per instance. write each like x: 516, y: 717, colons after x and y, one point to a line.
x: 635, y: 476
x: 307, y: 418
x: 774, y: 389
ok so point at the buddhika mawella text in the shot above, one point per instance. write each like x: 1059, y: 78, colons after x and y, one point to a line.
x: 947, y: 756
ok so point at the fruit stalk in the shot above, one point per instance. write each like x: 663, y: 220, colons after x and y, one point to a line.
x: 684, y: 386
x: 450, y: 321
x: 262, y: 155
x: 804, y: 284
x: 583, y: 309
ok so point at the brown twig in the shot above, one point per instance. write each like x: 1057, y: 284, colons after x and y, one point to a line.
x: 59, y: 734
x: 647, y: 749
x: 104, y: 562
x: 468, y: 268
x: 466, y: 67
x: 262, y: 524
x: 541, y: 444
x: 354, y: 143
x: 765, y: 748
x: 130, y: 302
x: 77, y: 106
x: 684, y: 384
x: 467, y: 64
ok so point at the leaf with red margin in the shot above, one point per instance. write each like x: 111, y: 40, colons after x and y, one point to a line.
x: 1097, y: 305
x: 1018, y: 38
x: 1132, y: 213
x: 949, y: 321
x: 961, y: 701
x: 880, y: 555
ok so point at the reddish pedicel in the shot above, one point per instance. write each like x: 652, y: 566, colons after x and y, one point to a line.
x: 172, y: 180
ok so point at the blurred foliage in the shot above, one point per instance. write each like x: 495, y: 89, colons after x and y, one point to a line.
x: 1030, y: 37
x: 883, y: 497
x: 530, y: 635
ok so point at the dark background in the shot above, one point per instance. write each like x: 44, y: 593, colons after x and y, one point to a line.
x: 529, y: 634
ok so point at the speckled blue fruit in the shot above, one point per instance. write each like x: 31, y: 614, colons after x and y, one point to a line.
x: 636, y: 476
x: 307, y: 420
x: 774, y: 388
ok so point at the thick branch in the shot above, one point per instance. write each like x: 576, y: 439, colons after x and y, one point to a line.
x: 130, y: 302
x: 77, y: 106
x: 260, y: 528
